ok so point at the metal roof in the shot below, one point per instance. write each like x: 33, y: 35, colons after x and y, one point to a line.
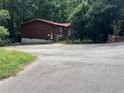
x: 66, y: 25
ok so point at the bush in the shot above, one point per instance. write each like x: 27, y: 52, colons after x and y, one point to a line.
x: 3, y: 35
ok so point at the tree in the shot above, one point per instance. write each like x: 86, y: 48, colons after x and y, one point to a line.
x: 4, y: 14
x: 90, y: 18
x: 103, y: 16
x: 3, y: 33
x: 93, y: 20
x: 79, y: 19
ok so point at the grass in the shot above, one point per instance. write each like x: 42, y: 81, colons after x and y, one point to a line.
x: 12, y: 62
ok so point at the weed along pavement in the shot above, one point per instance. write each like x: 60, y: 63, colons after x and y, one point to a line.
x: 70, y: 69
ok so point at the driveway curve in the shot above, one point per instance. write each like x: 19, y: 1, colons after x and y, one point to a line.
x: 70, y: 69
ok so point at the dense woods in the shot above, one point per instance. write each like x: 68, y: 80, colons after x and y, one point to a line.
x: 91, y: 19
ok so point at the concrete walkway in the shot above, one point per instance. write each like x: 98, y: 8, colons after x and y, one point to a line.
x: 70, y: 69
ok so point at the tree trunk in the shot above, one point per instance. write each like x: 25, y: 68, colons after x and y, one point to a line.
x: 67, y: 36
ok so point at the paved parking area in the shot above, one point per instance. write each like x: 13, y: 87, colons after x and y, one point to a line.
x: 70, y: 69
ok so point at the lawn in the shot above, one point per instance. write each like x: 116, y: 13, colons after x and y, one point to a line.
x: 12, y: 62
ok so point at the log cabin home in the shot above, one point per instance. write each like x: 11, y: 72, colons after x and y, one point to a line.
x: 42, y: 29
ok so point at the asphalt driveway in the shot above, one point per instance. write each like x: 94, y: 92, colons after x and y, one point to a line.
x: 70, y: 69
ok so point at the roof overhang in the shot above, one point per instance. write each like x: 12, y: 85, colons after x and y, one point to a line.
x: 65, y: 25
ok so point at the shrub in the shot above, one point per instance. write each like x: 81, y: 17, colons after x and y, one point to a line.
x: 3, y: 33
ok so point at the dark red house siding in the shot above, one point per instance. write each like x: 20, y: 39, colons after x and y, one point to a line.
x: 40, y: 29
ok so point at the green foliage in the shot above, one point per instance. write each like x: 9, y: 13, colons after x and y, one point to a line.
x: 4, y: 14
x: 89, y: 17
x: 93, y: 20
x: 102, y: 20
x: 12, y: 61
x: 3, y: 33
